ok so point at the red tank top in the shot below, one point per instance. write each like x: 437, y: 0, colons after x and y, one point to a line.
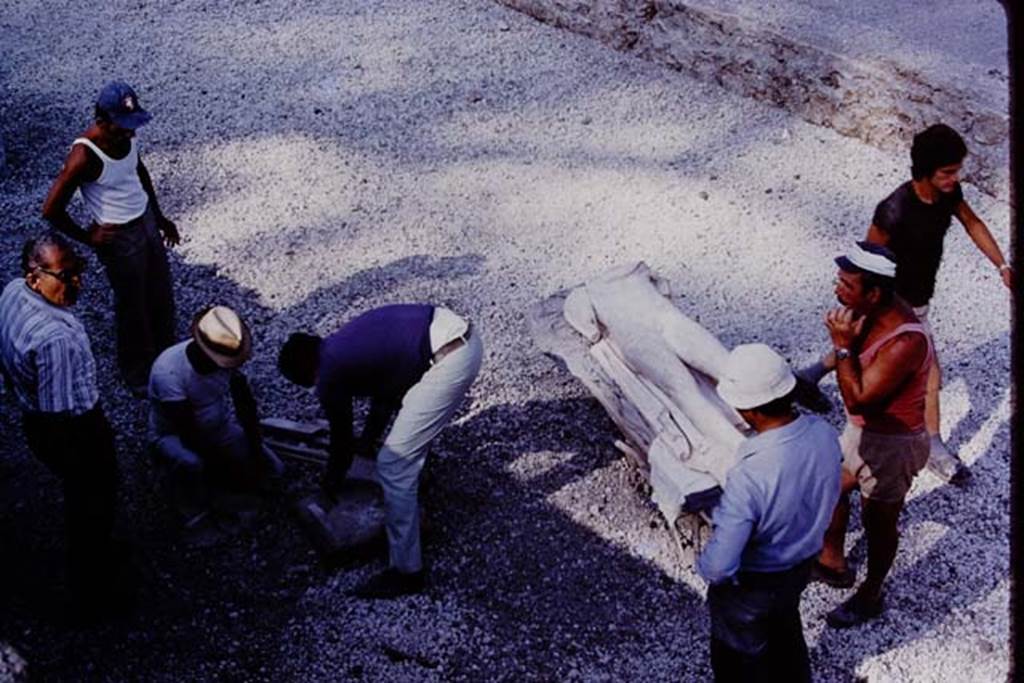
x: 904, y: 410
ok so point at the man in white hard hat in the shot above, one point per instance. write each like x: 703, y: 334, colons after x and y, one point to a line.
x: 193, y: 431
x: 769, y: 524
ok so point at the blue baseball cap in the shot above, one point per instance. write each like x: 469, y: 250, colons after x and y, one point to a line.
x: 119, y: 103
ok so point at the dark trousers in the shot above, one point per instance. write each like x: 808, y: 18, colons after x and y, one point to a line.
x: 79, y: 449
x: 756, y: 633
x: 136, y: 265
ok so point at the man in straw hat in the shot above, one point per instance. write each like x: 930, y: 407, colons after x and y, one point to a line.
x: 769, y: 523
x: 883, y: 354
x: 192, y: 428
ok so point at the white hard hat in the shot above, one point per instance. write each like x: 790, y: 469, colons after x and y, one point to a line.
x: 754, y: 375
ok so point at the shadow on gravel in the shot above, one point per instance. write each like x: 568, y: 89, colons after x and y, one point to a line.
x: 984, y: 397
x: 217, y: 609
x: 961, y: 569
x: 553, y: 593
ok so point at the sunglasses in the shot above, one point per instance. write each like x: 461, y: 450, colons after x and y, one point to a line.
x: 66, y: 276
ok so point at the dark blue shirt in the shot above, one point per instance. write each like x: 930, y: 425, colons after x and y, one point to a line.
x: 379, y: 354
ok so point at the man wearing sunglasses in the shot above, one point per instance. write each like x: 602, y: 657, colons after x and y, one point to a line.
x: 48, y: 363
x: 128, y: 230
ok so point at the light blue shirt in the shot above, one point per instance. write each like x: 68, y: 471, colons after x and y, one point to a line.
x: 45, y: 353
x: 778, y: 501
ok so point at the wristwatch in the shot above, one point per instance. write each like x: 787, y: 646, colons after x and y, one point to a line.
x: 842, y: 354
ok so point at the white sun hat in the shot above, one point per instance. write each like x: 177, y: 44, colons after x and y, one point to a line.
x: 754, y: 375
x: 222, y: 336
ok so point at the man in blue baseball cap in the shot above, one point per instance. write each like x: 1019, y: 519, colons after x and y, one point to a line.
x: 128, y: 230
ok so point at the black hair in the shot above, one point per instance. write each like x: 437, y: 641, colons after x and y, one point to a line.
x: 934, y: 147
x: 778, y: 407
x: 300, y: 358
x: 884, y: 284
x: 32, y: 250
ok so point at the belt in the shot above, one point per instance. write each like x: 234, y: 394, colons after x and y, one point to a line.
x: 453, y: 345
x: 775, y: 579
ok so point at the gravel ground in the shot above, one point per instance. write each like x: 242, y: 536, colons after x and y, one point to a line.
x: 351, y: 154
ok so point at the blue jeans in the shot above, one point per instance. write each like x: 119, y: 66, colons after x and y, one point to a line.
x: 756, y: 633
x: 224, y: 463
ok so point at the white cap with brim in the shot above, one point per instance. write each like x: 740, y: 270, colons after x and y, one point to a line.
x: 754, y: 375
x: 862, y: 259
x: 222, y: 336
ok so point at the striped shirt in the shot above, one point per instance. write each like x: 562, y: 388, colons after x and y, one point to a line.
x: 45, y: 353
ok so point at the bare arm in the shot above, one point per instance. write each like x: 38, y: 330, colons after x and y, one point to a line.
x: 877, y: 236
x: 167, y: 227
x: 895, y: 362
x: 246, y: 411
x: 980, y: 235
x: 339, y: 416
x: 78, y: 168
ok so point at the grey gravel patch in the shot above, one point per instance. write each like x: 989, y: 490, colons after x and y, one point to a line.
x: 326, y: 161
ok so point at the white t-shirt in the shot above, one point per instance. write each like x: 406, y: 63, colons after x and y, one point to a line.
x: 174, y: 379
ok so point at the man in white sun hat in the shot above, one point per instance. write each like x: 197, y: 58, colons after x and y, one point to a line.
x: 883, y: 354
x: 769, y: 523
x: 194, y: 433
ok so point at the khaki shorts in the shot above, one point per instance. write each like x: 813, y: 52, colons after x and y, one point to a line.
x: 884, y: 464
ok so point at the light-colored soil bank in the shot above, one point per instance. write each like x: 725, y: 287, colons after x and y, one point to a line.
x: 875, y: 70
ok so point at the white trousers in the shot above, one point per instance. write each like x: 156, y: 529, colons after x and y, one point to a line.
x: 426, y: 409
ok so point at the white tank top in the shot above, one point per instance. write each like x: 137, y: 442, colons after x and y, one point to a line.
x: 116, y: 196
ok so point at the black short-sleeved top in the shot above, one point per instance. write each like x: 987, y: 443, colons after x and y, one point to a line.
x: 916, y: 231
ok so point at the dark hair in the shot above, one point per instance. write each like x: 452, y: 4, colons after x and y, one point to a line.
x: 32, y: 250
x: 885, y: 285
x: 300, y: 358
x: 778, y: 407
x: 100, y: 114
x: 934, y: 147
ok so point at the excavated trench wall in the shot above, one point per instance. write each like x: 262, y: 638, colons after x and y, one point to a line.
x: 878, y: 101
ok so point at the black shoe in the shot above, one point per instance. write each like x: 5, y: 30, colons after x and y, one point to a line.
x: 104, y: 604
x: 389, y: 584
x: 961, y: 477
x: 854, y: 611
x: 831, y: 577
x: 807, y: 394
